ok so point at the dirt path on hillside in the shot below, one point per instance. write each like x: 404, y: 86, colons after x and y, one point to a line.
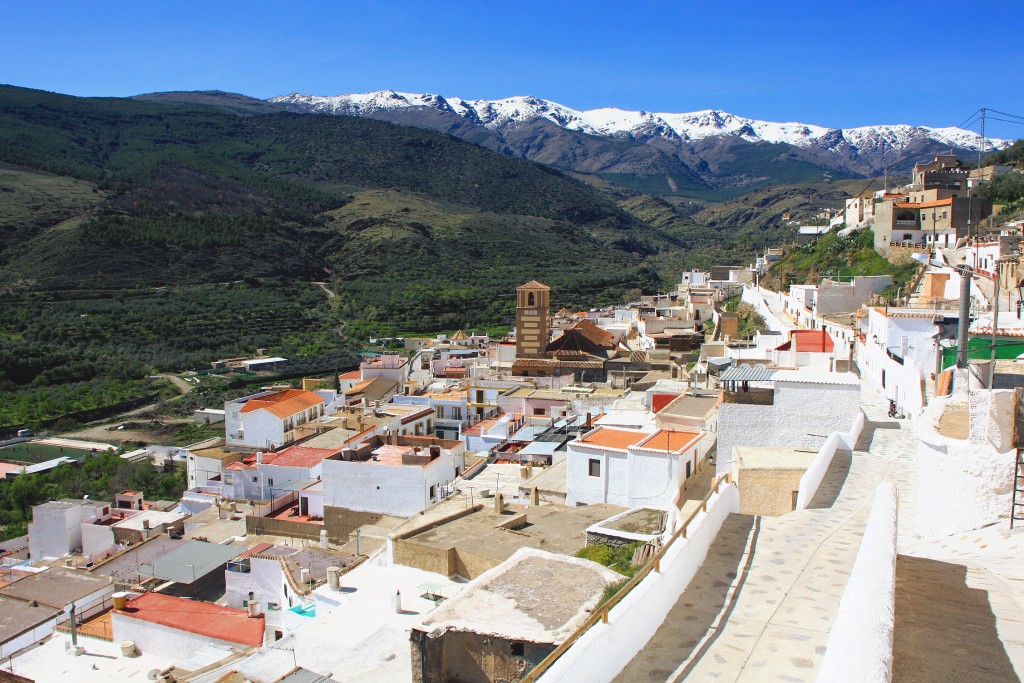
x: 107, y: 430
x: 327, y: 291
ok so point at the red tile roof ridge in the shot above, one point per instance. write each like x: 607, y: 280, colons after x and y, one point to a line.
x: 256, y: 549
x: 283, y: 403
x: 924, y: 205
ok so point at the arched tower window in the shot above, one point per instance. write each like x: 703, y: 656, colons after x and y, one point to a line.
x: 531, y: 299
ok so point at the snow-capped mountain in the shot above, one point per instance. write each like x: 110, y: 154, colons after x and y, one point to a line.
x: 610, y: 122
x: 705, y: 150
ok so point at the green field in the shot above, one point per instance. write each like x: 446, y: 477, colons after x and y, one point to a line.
x: 32, y: 452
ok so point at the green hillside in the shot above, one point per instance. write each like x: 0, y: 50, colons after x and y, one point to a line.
x: 200, y: 195
x: 139, y: 236
x: 834, y: 256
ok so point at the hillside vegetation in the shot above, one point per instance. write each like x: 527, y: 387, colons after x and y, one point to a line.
x: 834, y: 256
x: 138, y: 237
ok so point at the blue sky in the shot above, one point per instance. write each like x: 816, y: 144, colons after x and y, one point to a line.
x: 926, y: 63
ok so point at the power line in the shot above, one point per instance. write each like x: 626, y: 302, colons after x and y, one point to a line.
x: 969, y: 119
x: 996, y: 118
x: 1003, y: 113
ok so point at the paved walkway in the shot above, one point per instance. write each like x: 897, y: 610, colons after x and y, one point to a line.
x: 762, y: 604
x: 774, y: 303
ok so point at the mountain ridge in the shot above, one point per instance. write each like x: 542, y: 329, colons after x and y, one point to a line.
x: 708, y: 154
x: 614, y: 122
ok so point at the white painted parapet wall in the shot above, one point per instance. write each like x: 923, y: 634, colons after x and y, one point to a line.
x: 606, y: 648
x: 860, y: 643
x: 756, y: 297
x: 815, y: 473
x: 966, y: 484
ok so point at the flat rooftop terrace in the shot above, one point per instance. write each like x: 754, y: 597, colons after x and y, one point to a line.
x: 553, y: 528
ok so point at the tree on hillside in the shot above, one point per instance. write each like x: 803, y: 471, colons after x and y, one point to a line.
x: 1008, y: 189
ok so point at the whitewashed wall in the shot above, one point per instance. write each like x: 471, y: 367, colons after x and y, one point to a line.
x: 815, y: 473
x: 652, y: 479
x: 802, y: 416
x: 263, y: 429
x: 387, y: 489
x: 603, y: 651
x: 97, y: 539
x: 756, y: 298
x: 860, y: 642
x: 965, y: 484
x: 162, y: 640
x: 54, y: 532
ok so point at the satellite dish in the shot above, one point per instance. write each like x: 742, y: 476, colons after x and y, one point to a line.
x: 153, y: 675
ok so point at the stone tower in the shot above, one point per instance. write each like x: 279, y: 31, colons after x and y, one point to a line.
x: 533, y: 319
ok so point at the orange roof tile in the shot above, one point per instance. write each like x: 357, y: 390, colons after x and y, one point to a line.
x: 194, y: 616
x: 533, y: 284
x: 671, y: 441
x: 924, y: 205
x: 595, y: 334
x: 817, y: 341
x: 606, y: 437
x: 283, y: 403
x: 354, y: 374
x: 659, y: 401
x: 256, y: 550
x: 298, y: 456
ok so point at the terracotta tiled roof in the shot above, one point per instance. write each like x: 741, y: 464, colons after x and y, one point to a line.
x: 574, y: 343
x: 298, y: 456
x: 283, y: 403
x: 533, y: 284
x: 619, y: 439
x: 659, y: 401
x: 355, y: 374
x: 372, y: 389
x: 419, y: 414
x: 924, y: 205
x: 194, y: 616
x: 522, y: 363
x: 815, y: 341
x: 256, y: 549
x: 671, y: 441
x: 533, y: 363
x: 360, y: 387
x: 595, y: 334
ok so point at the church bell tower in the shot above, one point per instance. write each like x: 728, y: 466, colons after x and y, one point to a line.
x: 533, y: 319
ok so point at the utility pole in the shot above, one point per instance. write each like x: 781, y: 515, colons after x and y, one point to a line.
x: 965, y: 313
x: 981, y: 150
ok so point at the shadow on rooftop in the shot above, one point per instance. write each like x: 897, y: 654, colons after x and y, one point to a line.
x: 945, y: 630
x: 833, y: 482
x: 701, y: 612
x: 868, y: 433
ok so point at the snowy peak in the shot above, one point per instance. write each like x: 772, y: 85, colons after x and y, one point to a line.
x: 641, y: 125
